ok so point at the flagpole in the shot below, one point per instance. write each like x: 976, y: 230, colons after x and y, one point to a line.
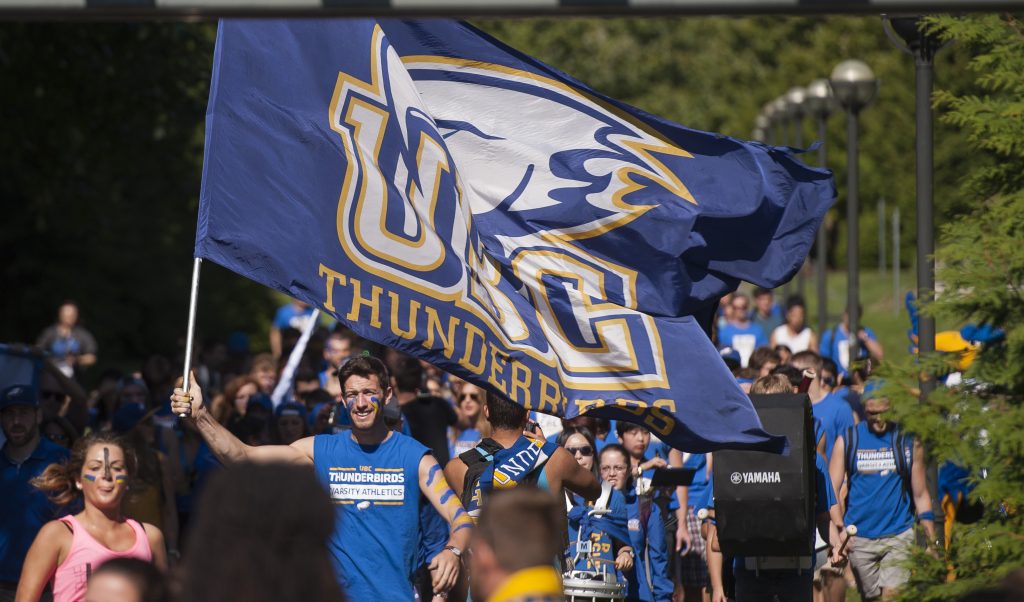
x: 193, y: 296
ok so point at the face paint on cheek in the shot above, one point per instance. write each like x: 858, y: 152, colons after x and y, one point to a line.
x: 121, y: 478
x: 89, y: 477
x: 106, y: 463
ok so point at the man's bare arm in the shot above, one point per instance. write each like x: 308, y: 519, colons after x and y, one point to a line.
x: 226, y: 446
x: 919, y: 487
x: 445, y: 567
x: 837, y: 471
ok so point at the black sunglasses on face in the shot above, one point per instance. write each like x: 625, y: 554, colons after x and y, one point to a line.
x: 586, y: 450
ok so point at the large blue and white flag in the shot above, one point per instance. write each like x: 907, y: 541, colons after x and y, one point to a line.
x: 448, y: 196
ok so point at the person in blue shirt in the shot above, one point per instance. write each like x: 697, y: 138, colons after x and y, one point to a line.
x: 467, y: 432
x: 828, y: 404
x: 337, y: 350
x: 884, y: 472
x: 739, y: 333
x: 293, y: 315
x: 693, y: 570
x: 375, y: 477
x: 23, y: 508
x: 648, y: 581
x: 608, y: 548
x: 835, y: 346
x: 767, y: 314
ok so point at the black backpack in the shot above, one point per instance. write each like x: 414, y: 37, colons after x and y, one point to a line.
x: 476, y: 461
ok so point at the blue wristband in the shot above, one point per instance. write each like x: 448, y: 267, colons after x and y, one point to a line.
x: 926, y: 516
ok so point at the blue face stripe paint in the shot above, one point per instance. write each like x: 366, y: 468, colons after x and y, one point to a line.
x: 89, y: 477
x: 432, y: 473
x: 447, y: 496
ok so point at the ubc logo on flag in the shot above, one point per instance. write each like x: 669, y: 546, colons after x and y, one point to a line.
x: 449, y: 197
x: 405, y: 213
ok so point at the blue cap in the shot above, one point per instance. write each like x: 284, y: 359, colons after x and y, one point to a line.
x: 314, y: 413
x: 19, y: 395
x: 872, y: 389
x: 291, y: 409
x: 127, y: 417
x: 262, y: 400
x: 728, y: 353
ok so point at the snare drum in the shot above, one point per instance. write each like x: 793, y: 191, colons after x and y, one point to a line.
x: 585, y: 586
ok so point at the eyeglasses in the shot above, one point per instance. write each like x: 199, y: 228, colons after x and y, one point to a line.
x: 613, y: 469
x: 473, y: 396
x: 586, y: 450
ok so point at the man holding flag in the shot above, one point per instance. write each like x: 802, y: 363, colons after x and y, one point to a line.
x: 370, y: 472
x: 447, y: 196
x: 552, y: 254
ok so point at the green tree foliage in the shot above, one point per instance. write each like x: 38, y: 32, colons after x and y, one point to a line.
x: 103, y: 132
x: 980, y: 425
x: 716, y: 73
x: 102, y: 152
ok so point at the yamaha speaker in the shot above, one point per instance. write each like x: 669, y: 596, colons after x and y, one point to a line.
x: 764, y: 504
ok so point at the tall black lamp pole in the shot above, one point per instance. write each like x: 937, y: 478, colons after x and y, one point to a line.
x: 854, y: 86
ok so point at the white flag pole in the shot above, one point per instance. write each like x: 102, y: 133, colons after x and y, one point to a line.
x: 191, y: 328
x: 288, y: 374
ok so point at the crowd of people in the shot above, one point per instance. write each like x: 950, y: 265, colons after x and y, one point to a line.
x: 377, y: 476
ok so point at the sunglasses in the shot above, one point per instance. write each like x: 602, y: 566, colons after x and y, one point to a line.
x: 473, y: 396
x: 586, y: 450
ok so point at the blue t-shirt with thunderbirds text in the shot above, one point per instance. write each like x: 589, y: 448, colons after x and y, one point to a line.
x: 376, y: 495
x: 879, y: 501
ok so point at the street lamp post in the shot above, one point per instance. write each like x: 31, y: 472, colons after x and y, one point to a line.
x: 768, y: 112
x: 854, y: 86
x: 761, y: 125
x: 796, y: 100
x: 820, y: 103
x: 780, y: 116
x: 923, y: 46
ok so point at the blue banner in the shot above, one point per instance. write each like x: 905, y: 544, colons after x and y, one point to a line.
x: 448, y: 196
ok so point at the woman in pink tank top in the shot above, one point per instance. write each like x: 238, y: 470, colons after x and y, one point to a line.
x: 67, y: 550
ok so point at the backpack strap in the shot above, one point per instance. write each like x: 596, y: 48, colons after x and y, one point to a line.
x: 850, y: 444
x: 476, y: 460
x: 899, y: 450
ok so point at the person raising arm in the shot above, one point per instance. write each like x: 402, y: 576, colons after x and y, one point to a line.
x: 381, y: 520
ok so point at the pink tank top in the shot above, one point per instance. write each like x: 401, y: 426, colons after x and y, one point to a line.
x: 86, y: 555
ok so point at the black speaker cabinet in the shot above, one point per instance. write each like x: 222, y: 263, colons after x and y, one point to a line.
x: 764, y: 502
